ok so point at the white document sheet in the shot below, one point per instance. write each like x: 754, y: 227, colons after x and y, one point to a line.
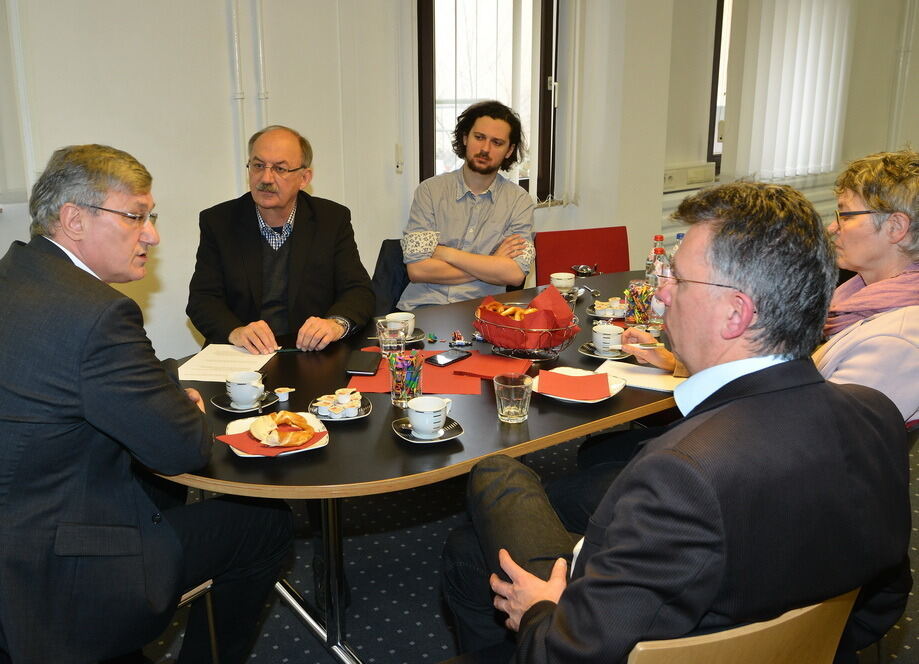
x: 214, y: 362
x: 648, y: 378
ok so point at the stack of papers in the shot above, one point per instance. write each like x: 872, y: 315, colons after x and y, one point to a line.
x: 648, y: 378
x: 216, y: 361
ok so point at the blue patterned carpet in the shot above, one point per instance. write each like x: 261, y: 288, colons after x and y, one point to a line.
x: 392, y: 560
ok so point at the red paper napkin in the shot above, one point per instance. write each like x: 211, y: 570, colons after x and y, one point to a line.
x: 488, y: 366
x: 581, y: 388
x: 434, y: 380
x: 244, y: 442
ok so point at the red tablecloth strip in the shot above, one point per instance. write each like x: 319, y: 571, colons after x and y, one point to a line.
x: 434, y: 380
x: 487, y: 366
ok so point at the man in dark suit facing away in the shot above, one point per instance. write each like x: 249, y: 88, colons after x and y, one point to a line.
x: 775, y: 490
x: 277, y: 261
x: 90, y: 567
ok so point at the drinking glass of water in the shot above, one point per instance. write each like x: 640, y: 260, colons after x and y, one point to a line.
x: 512, y: 393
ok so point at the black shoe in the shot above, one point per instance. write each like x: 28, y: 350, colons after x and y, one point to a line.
x: 319, y: 584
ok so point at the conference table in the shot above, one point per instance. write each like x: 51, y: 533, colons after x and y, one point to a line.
x: 364, y: 456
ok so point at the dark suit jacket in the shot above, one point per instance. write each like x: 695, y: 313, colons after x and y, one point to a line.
x: 88, y: 567
x: 325, y: 275
x: 778, y: 491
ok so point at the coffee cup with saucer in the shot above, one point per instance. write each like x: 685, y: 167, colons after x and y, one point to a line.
x: 245, y: 389
x: 427, y: 416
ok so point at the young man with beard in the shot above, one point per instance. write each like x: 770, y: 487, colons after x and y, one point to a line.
x: 470, y: 232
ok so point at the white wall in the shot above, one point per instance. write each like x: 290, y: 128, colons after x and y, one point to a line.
x: 154, y: 78
x: 621, y: 118
x: 692, y: 41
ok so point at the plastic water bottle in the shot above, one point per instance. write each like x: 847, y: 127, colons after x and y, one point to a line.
x: 661, y: 268
x: 679, y: 241
x: 649, y: 261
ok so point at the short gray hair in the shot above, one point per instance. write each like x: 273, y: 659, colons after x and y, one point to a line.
x: 888, y: 182
x: 306, y: 150
x: 83, y: 175
x: 769, y: 242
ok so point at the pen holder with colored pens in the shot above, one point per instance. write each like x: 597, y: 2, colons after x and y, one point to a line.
x: 405, y: 376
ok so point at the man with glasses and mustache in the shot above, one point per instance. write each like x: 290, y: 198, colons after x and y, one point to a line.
x: 775, y: 490
x: 92, y: 560
x: 278, y: 261
x: 470, y: 232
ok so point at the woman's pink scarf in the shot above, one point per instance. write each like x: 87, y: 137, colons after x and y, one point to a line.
x: 853, y: 300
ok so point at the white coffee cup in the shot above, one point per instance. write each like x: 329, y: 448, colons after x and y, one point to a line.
x: 562, y: 280
x: 404, y: 317
x: 245, y: 389
x: 428, y: 415
x: 607, y: 338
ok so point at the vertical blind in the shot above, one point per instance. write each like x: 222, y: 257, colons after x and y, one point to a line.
x: 794, y: 80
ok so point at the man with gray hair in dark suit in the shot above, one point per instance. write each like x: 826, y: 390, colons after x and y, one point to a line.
x: 774, y: 491
x: 91, y: 567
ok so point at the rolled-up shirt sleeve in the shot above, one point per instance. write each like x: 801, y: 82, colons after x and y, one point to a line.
x: 521, y: 223
x: 419, y: 240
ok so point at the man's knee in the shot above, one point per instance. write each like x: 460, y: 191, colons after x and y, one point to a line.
x: 498, y: 470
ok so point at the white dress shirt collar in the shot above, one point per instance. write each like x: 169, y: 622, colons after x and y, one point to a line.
x: 76, y: 261
x: 698, y: 387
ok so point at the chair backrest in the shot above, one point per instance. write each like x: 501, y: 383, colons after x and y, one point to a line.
x: 557, y: 251
x: 389, y: 277
x: 810, y: 634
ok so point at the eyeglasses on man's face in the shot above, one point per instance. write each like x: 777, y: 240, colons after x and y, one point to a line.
x: 671, y: 280
x: 138, y: 218
x: 258, y: 167
x: 840, y: 215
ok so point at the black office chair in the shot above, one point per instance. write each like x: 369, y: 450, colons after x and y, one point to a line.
x: 389, y: 277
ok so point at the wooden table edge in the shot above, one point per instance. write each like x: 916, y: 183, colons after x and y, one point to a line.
x: 417, y: 479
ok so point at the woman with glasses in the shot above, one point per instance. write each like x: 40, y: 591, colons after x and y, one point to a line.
x: 872, y: 329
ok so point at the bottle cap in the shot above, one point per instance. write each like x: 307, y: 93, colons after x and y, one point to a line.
x: 659, y: 250
x: 658, y: 238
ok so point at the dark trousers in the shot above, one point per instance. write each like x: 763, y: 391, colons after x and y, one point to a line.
x: 241, y: 544
x: 509, y: 510
x: 600, y: 459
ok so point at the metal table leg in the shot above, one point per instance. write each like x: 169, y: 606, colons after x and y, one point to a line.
x: 330, y: 630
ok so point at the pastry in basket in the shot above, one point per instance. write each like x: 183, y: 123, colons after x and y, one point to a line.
x: 266, y: 429
x: 515, y: 312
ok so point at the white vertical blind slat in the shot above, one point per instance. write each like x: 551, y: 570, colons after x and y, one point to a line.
x: 795, y: 71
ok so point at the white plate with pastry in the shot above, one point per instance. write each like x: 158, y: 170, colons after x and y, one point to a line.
x: 244, y: 424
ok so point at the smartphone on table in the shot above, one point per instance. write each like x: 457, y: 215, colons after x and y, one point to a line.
x: 362, y: 363
x: 448, y: 357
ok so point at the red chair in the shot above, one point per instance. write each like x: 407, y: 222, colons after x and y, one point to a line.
x: 557, y: 251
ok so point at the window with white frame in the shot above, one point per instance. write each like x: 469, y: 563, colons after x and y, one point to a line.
x: 471, y: 50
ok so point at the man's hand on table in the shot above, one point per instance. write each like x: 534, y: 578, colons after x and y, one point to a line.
x: 317, y: 333
x: 256, y: 337
x: 658, y: 357
x: 525, y: 589
x: 195, y: 397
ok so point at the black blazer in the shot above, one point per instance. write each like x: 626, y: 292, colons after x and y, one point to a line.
x: 325, y: 275
x: 88, y: 567
x: 778, y: 491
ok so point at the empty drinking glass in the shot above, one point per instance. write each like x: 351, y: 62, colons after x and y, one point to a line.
x: 512, y: 394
